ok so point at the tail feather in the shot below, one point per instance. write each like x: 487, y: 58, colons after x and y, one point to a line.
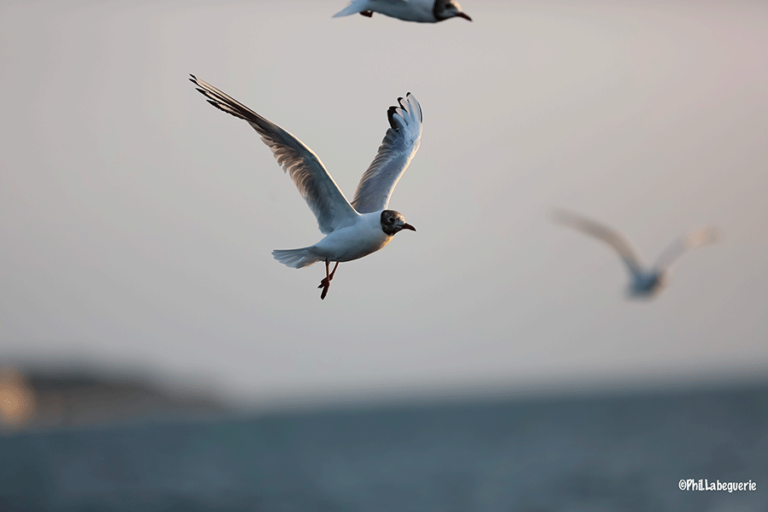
x: 296, y: 258
x: 354, y: 7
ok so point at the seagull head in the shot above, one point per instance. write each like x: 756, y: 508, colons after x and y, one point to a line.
x: 392, y: 222
x: 445, y: 9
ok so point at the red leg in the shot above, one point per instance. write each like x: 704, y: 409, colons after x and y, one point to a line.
x: 326, y: 280
x: 326, y: 283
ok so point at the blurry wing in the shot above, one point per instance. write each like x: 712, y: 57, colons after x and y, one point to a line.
x: 607, y: 235
x: 395, y: 153
x: 692, y: 240
x: 304, y: 167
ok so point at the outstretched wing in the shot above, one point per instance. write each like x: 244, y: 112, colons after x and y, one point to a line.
x: 607, y: 235
x: 395, y: 153
x: 692, y: 240
x: 304, y: 167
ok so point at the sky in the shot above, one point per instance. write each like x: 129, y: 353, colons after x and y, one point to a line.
x: 137, y: 222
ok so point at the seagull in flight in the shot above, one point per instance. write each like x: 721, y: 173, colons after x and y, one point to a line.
x: 352, y: 230
x: 420, y: 11
x: 645, y: 282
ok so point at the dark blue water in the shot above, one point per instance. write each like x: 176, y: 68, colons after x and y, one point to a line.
x: 581, y: 454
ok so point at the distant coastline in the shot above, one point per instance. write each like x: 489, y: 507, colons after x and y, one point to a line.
x: 33, y: 399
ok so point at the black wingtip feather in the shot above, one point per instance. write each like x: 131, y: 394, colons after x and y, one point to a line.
x: 391, y: 111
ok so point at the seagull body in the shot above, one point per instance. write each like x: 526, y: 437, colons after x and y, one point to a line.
x: 346, y: 243
x: 353, y: 230
x: 644, y: 282
x: 647, y: 284
x: 420, y: 11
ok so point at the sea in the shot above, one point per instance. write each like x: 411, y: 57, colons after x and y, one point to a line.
x: 631, y: 452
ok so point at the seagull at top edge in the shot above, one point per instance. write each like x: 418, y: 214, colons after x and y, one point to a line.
x: 645, y: 282
x: 352, y: 230
x: 420, y: 11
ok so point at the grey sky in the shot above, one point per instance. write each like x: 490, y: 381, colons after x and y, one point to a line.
x: 137, y: 221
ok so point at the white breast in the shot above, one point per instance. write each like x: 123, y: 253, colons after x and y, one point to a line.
x: 353, y: 242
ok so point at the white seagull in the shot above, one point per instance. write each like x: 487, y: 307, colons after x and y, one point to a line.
x: 352, y: 230
x: 645, y: 282
x: 421, y: 11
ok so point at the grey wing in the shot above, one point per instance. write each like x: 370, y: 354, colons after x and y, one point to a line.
x: 607, y: 235
x: 692, y: 240
x: 315, y: 185
x: 395, y: 153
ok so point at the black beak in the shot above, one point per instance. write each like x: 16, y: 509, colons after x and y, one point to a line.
x: 408, y: 226
x: 465, y: 16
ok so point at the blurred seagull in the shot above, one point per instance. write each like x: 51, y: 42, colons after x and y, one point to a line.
x: 421, y: 11
x: 645, y: 282
x: 352, y: 230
